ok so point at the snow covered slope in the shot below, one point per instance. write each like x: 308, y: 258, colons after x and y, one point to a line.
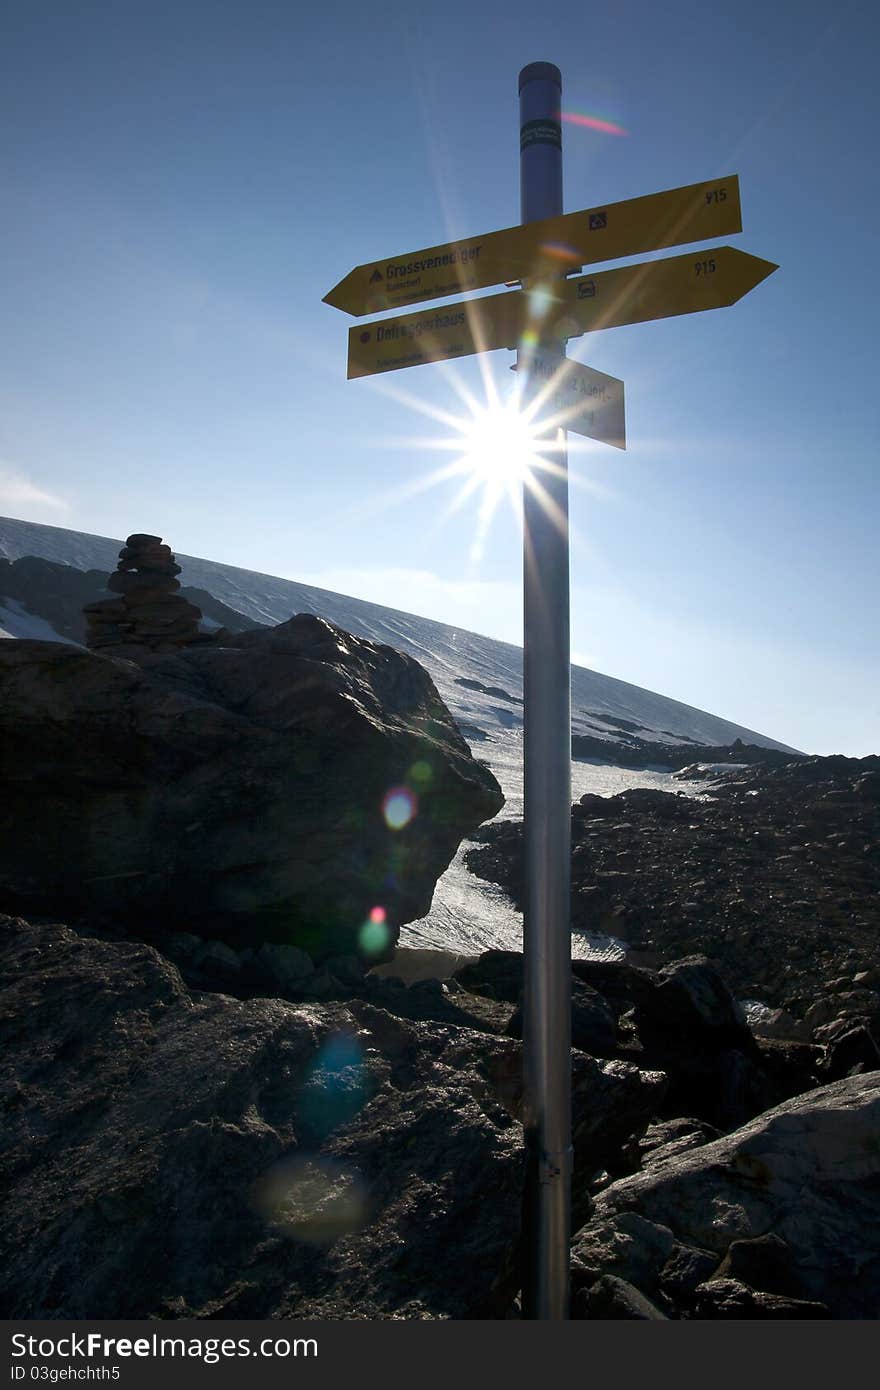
x: 450, y: 654
x: 479, y: 678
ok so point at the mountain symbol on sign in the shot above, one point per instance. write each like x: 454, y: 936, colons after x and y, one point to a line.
x: 376, y: 275
x: 598, y: 220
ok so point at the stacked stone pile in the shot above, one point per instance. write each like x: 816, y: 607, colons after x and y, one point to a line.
x: 149, y: 613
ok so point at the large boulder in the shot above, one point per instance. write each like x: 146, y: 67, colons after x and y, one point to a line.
x: 296, y: 784
x: 692, y: 1230
x: 177, y: 1155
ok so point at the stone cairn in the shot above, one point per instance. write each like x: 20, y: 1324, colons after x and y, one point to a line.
x: 149, y: 614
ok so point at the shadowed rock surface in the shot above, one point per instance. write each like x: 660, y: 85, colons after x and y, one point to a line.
x: 169, y: 1153
x: 692, y: 1232
x: 629, y: 750
x: 235, y: 788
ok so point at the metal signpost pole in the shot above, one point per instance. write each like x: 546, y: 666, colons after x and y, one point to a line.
x: 547, y: 753
x: 593, y: 405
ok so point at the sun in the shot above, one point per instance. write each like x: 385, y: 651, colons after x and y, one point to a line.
x: 499, y: 448
x: 501, y: 443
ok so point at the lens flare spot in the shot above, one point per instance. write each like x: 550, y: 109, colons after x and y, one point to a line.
x: 374, y: 937
x: 312, y: 1199
x: 593, y: 123
x: 559, y: 251
x: 421, y: 773
x: 399, y: 807
x: 333, y: 1090
x: 377, y: 914
x: 540, y: 300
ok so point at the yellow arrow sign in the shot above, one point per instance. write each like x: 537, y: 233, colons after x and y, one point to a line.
x: 696, y: 213
x: 663, y: 289
x: 433, y: 335
x: 631, y: 294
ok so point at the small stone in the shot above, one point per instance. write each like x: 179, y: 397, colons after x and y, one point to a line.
x: 728, y: 1298
x: 129, y: 582
x: 183, y: 943
x: 216, y: 955
x: 287, y: 965
x: 348, y: 970
x: 614, y: 1298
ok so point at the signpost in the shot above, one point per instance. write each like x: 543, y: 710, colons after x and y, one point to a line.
x: 567, y: 307
x: 435, y: 335
x: 699, y: 212
x: 537, y: 320
x: 546, y: 762
x: 663, y: 289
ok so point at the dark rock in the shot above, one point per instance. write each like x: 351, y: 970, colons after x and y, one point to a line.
x: 132, y: 582
x: 790, y: 1068
x: 691, y: 1000
x: 234, y: 791
x: 497, y: 974
x: 691, y: 1027
x: 168, y: 1154
x: 613, y: 1298
x: 346, y: 970
x: 773, y: 1023
x: 726, y: 1298
x: 764, y: 1263
x: 137, y: 542
x: 620, y: 983
x: 855, y: 1050
x: 685, y: 1269
x: 592, y: 806
x: 612, y: 1104
x: 627, y: 1246
x: 592, y: 1022
x: 668, y: 1138
x: 216, y: 959
x: 808, y: 1170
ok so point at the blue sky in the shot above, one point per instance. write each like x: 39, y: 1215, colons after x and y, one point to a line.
x: 184, y: 182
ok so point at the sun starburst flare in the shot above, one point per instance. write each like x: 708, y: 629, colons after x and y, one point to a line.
x: 501, y: 443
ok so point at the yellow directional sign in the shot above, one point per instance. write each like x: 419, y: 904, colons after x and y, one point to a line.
x: 631, y: 294
x: 663, y: 289
x: 574, y: 397
x: 696, y: 213
x: 434, y: 335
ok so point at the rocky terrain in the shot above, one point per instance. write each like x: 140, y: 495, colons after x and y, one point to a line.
x: 630, y: 750
x: 214, y: 1108
x: 775, y: 875
x: 173, y: 1148
x: 211, y: 787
